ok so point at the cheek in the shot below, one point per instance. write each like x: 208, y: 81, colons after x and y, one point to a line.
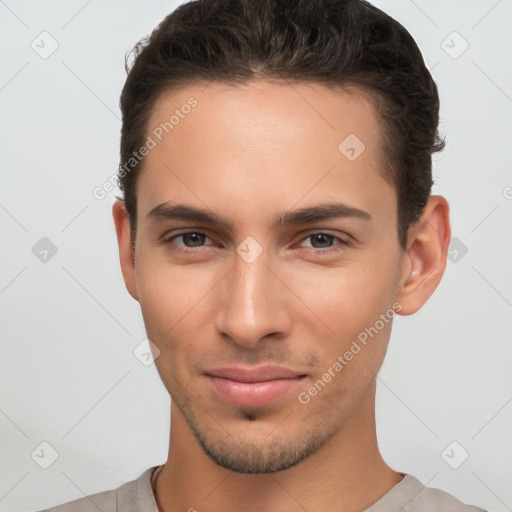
x: 344, y: 311
x: 346, y: 299
x: 168, y: 302
x: 177, y: 303
x: 170, y: 294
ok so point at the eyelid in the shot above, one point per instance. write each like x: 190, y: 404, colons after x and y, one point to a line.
x: 168, y: 238
x: 343, y: 242
x: 342, y: 237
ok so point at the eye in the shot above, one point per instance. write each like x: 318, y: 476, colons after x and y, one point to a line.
x: 322, y: 242
x: 190, y: 240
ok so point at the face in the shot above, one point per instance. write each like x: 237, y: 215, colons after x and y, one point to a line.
x: 266, y: 237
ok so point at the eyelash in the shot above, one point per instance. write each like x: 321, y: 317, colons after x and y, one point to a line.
x: 170, y: 241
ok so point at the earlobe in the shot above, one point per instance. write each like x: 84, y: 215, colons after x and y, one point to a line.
x: 126, y: 257
x: 425, y: 258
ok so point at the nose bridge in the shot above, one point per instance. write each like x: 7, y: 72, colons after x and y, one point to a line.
x: 251, y: 307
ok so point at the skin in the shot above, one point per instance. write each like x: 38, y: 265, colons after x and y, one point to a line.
x: 249, y: 153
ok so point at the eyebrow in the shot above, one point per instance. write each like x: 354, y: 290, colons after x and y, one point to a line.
x: 307, y: 215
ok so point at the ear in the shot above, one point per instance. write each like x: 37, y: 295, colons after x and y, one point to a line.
x: 126, y: 256
x: 424, y: 261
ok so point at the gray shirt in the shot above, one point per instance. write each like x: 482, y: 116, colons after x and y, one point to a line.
x: 409, y: 495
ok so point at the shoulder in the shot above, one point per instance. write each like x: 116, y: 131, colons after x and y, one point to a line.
x: 132, y: 496
x: 410, y: 495
x: 431, y: 499
x: 105, y: 501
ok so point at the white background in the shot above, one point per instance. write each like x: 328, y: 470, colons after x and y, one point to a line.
x: 68, y: 374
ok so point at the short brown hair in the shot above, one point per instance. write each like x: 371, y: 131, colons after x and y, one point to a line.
x: 336, y: 43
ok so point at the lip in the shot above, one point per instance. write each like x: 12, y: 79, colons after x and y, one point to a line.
x: 254, y: 374
x: 253, y: 387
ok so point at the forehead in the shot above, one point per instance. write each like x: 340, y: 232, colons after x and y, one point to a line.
x: 300, y: 107
x: 274, y: 143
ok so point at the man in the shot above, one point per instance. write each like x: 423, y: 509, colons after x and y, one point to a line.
x: 277, y: 215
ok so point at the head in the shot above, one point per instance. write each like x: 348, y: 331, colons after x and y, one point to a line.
x: 276, y: 171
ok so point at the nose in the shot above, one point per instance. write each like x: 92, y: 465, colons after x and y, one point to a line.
x: 253, y: 304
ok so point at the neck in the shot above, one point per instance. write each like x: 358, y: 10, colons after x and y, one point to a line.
x: 347, y: 473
